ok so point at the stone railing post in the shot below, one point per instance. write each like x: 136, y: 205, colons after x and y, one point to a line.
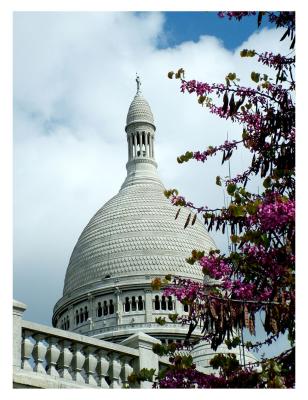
x: 27, y: 348
x: 147, y: 359
x: 52, y: 356
x: 126, y: 370
x: 77, y: 362
x: 102, y: 368
x: 39, y: 353
x: 18, y: 310
x: 114, y: 371
x: 65, y: 360
x: 90, y: 365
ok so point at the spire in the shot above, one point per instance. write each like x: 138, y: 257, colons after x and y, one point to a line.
x: 138, y: 83
x: 140, y: 130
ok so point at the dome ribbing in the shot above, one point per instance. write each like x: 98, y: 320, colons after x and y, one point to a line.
x: 135, y: 233
x: 139, y: 111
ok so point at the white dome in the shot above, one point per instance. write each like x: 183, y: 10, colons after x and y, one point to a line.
x: 135, y: 233
x: 131, y: 240
x: 139, y: 111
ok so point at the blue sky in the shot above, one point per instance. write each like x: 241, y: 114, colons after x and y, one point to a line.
x: 186, y: 26
x: 75, y: 81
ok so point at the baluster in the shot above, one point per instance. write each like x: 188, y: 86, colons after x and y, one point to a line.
x: 39, y: 352
x: 90, y: 365
x: 126, y: 370
x: 115, y: 370
x: 26, y: 350
x: 77, y: 362
x: 102, y: 368
x: 52, y: 356
x: 65, y: 360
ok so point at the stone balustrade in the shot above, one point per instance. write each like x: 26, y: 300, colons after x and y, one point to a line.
x: 46, y: 357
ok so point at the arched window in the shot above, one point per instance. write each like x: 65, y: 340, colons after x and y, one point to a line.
x: 140, y: 303
x: 86, y: 313
x: 68, y: 323
x: 105, y: 309
x: 156, y: 303
x: 185, y: 307
x: 111, y: 307
x: 99, y: 310
x: 163, y: 303
x: 134, y: 304
x: 77, y: 317
x: 126, y: 305
x: 81, y: 315
x: 170, y: 303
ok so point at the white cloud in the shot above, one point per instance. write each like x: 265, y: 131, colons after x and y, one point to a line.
x: 73, y: 83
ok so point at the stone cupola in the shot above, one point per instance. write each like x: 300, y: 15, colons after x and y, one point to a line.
x: 140, y: 130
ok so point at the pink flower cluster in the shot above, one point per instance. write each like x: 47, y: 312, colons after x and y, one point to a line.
x: 242, y: 290
x: 275, y: 60
x: 274, y: 213
x: 185, y: 289
x: 235, y: 14
x: 215, y: 266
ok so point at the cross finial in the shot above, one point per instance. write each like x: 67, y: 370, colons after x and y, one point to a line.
x: 138, y: 83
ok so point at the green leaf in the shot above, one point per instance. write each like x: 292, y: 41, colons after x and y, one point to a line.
x: 218, y: 180
x: 255, y: 77
x: 160, y: 320
x: 173, y: 317
x: 170, y: 74
x: 231, y: 76
x: 201, y: 99
x: 231, y: 188
x: 247, y: 53
x: 238, y: 211
x: 267, y: 182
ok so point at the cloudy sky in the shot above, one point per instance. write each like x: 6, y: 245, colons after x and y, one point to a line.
x: 74, y: 78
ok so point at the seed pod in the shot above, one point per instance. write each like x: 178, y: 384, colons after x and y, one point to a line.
x: 187, y: 221
x: 213, y: 311
x: 252, y: 329
x: 246, y: 316
x: 194, y: 219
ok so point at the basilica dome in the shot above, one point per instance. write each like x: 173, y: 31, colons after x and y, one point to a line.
x: 131, y: 240
x: 135, y: 233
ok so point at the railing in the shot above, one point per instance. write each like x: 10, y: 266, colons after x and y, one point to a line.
x: 47, y: 357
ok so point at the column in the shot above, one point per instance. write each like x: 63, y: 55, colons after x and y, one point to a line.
x: 139, y: 138
x: 71, y: 317
x: 18, y: 310
x: 135, y: 144
x: 146, y: 141
x: 148, y: 305
x: 130, y: 146
x: 147, y: 358
x: 90, y: 306
x: 119, y: 305
x: 153, y: 146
